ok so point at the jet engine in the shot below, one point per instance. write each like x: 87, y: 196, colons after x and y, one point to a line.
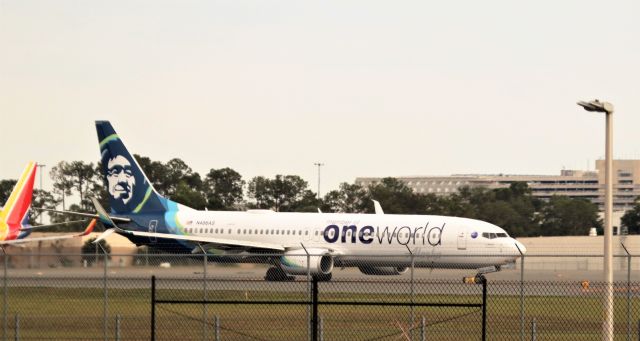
x: 383, y: 270
x: 294, y: 262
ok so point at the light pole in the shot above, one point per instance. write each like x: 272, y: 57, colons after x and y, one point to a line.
x: 607, y: 108
x: 40, y: 166
x: 319, y: 164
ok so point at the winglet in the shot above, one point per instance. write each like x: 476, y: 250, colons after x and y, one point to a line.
x: 102, y: 213
x: 377, y: 207
x: 104, y: 235
x: 89, y: 228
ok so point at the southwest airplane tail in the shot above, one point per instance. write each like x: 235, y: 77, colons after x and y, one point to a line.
x: 14, y: 217
x: 297, y: 243
x: 16, y: 209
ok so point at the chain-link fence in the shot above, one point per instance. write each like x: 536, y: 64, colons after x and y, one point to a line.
x: 109, y: 297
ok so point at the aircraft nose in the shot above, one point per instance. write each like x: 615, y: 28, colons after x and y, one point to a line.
x: 520, y: 246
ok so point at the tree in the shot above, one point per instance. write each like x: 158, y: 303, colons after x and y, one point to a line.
x: 284, y: 193
x: 563, y: 216
x: 347, y: 199
x: 259, y: 189
x: 223, y: 189
x: 394, y: 197
x: 92, y: 252
x: 631, y: 218
x: 6, y: 186
x: 62, y: 185
x: 43, y: 199
x: 82, y: 177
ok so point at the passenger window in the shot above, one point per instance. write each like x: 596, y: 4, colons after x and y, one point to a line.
x: 306, y: 233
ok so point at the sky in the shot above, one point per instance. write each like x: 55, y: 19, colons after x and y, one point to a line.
x: 369, y: 88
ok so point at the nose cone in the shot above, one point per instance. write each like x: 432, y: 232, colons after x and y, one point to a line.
x: 520, y: 246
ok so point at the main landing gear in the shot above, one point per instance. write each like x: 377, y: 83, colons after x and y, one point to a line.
x: 275, y: 274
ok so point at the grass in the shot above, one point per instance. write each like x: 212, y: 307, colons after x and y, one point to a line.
x: 64, y: 313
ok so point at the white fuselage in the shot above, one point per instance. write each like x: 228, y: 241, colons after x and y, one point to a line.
x: 356, y: 239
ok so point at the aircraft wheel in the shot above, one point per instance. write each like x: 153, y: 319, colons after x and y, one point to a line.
x: 275, y: 274
x: 479, y: 279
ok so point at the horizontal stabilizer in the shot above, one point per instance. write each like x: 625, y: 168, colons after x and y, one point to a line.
x: 88, y: 230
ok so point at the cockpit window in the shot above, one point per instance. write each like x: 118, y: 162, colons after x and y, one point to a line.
x: 491, y: 235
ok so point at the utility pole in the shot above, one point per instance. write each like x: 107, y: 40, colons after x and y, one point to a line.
x: 607, y: 109
x: 319, y: 164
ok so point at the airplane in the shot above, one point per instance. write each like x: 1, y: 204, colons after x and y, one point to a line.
x: 14, y: 218
x: 297, y: 243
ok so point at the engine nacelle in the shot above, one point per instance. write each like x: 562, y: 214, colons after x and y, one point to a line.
x: 383, y: 270
x: 294, y: 262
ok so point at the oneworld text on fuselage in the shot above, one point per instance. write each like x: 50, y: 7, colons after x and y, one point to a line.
x: 403, y: 235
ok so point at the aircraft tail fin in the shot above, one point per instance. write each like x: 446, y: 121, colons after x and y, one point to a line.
x: 15, y: 210
x: 130, y: 191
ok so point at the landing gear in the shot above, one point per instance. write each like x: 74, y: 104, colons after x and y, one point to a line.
x: 479, y: 277
x: 275, y: 274
x: 323, y: 278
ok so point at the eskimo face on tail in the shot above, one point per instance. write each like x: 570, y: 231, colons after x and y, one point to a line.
x: 120, y: 179
x: 126, y: 188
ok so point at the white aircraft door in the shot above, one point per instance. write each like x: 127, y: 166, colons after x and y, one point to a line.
x: 462, y: 241
x: 153, y: 224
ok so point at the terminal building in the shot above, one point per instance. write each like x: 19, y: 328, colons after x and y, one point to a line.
x: 572, y: 183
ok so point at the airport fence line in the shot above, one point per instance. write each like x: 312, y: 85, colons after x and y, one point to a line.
x: 109, y: 297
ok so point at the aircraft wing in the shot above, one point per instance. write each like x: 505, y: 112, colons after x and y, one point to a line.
x: 27, y: 228
x: 83, y: 214
x: 88, y: 230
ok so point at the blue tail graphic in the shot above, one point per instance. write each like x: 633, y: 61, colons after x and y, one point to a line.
x: 129, y: 189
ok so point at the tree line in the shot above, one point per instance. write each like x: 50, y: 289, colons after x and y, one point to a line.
x: 513, y: 208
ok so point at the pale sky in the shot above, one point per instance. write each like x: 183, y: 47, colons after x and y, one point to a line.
x: 369, y: 88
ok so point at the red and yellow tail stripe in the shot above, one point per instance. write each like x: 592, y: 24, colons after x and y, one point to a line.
x: 17, y: 207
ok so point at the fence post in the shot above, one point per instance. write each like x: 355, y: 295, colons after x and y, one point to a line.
x: 204, y: 295
x: 16, y: 326
x: 484, y: 308
x: 628, y: 292
x: 217, y: 327
x: 321, y: 329
x: 314, y: 315
x: 521, y: 293
x: 104, y: 286
x: 118, y: 327
x: 153, y: 308
x: 5, y: 294
x: 423, y: 329
x: 309, y: 327
x: 412, y: 318
x: 534, y: 333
